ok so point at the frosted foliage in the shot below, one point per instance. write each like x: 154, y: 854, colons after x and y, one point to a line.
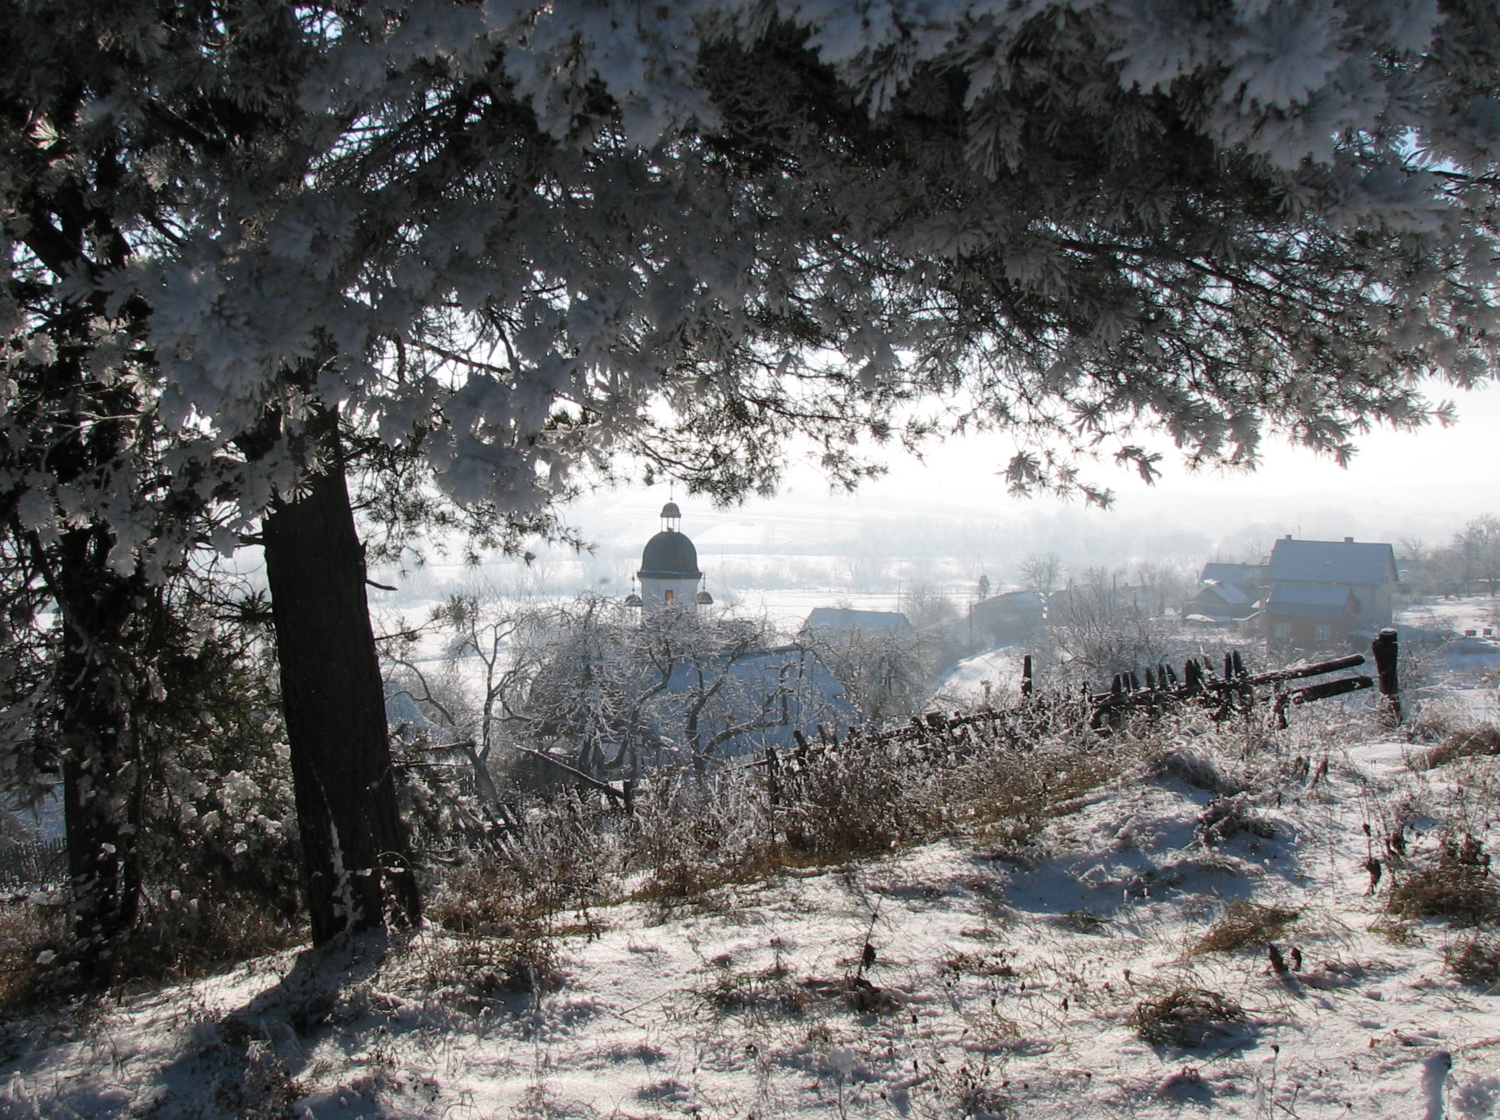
x: 518, y: 239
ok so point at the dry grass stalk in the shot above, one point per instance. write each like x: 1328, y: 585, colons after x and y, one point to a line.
x: 1244, y: 923
x: 486, y: 968
x: 769, y: 990
x: 1467, y: 742
x: 1476, y: 961
x: 1190, y: 1018
x: 1456, y: 885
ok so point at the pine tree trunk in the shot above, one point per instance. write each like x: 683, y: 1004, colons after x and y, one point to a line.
x: 355, y: 858
x: 102, y: 764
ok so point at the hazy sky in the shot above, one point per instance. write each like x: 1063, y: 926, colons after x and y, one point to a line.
x: 1424, y: 484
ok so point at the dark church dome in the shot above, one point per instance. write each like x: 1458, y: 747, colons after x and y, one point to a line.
x: 670, y: 555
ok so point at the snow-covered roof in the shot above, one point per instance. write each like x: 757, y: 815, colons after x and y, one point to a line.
x: 846, y: 618
x: 1229, y: 593
x: 1247, y: 574
x: 1346, y: 561
x: 1015, y: 600
x: 1294, y: 600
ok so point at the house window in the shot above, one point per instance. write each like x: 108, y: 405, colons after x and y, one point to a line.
x: 669, y: 596
x: 1283, y: 629
x: 1323, y: 633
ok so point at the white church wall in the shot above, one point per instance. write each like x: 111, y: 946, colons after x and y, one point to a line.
x: 654, y: 593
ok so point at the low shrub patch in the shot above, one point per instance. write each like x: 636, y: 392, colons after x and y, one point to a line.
x: 1476, y: 961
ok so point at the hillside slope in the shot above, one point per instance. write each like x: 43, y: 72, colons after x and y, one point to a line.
x: 971, y: 978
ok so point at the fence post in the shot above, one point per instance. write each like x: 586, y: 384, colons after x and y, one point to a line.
x: 1026, y: 677
x: 1385, y: 649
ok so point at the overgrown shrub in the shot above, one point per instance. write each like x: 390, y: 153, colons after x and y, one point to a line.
x: 198, y: 928
x: 689, y: 833
x: 559, y: 860
x: 31, y: 936
x: 216, y: 852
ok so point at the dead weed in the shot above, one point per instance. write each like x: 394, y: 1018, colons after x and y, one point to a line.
x: 1190, y: 1018
x: 1476, y: 960
x: 1467, y: 742
x: 1244, y: 923
x: 1455, y: 884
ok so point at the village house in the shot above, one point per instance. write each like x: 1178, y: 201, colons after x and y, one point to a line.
x: 827, y: 622
x: 1227, y: 594
x: 1327, y: 594
x: 1010, y: 618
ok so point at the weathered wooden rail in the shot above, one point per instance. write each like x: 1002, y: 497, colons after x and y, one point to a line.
x: 1235, y: 691
x: 26, y: 864
x: 1232, y: 691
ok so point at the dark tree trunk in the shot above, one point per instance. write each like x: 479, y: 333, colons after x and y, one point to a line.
x: 100, y: 684
x: 356, y: 862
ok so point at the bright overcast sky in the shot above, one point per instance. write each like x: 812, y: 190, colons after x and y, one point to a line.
x: 1424, y: 484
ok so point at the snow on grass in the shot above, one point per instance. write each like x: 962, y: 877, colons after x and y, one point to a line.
x: 964, y: 978
x: 993, y: 677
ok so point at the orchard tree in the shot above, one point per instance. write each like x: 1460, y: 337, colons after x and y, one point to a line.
x: 1103, y: 629
x: 519, y: 244
x: 1043, y: 573
x: 621, y: 694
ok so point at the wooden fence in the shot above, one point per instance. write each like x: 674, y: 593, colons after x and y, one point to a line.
x: 1224, y: 691
x: 25, y: 864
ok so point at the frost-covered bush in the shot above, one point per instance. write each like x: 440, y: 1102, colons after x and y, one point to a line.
x: 219, y: 852
x: 688, y: 832
x: 216, y: 857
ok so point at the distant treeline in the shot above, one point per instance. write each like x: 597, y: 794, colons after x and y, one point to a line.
x: 1467, y: 564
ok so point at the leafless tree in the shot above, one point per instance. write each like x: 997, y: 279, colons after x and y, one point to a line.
x: 1043, y: 573
x: 887, y: 674
x: 1103, y: 632
x: 926, y: 605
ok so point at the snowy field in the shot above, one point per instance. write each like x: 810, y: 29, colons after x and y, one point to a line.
x: 994, y: 984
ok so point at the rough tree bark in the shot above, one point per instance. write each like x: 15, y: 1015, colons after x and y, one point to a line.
x: 102, y: 764
x: 357, y: 868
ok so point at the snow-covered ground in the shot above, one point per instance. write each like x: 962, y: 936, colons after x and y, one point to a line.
x: 992, y: 677
x: 995, y: 983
